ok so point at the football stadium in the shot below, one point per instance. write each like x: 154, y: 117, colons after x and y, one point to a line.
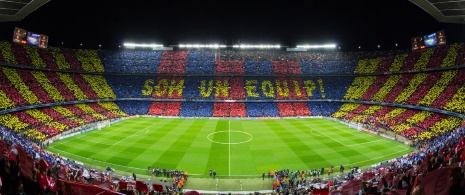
x: 231, y: 117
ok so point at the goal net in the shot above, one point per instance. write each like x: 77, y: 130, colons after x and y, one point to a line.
x: 103, y: 124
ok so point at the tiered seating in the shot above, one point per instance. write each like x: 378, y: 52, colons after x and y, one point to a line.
x: 59, y: 85
x: 437, y: 57
x: 327, y: 67
x: 20, y: 86
x: 270, y: 110
x: 84, y: 86
x: 7, y: 53
x: 134, y: 107
x: 169, y: 88
x: 286, y: 67
x: 221, y: 109
x: 437, y: 88
x: 409, y: 62
x: 32, y: 83
x: 254, y: 109
x: 424, y: 60
x: 323, y: 108
x: 229, y: 110
x: 165, y: 108
x: 375, y: 87
x: 200, y: 62
x: 452, y: 55
x: 368, y: 66
x: 258, y: 67
x: 459, y: 50
x: 237, y: 110
x: 420, y: 91
x: 97, y: 108
x: 196, y: 109
x: 290, y: 88
x: 130, y: 61
x: 71, y: 59
x: 237, y: 91
x: 59, y: 58
x: 221, y: 88
x: 34, y: 56
x: 285, y: 109
x: 386, y: 87
x: 229, y: 67
x: 89, y: 60
x: 10, y: 91
x: 21, y: 55
x: 69, y: 114
x: 47, y: 58
x: 398, y: 62
x: 359, y: 87
x: 173, y: 62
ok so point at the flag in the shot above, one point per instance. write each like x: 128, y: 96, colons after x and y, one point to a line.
x: 140, y: 186
x: 425, y: 162
x: 442, y: 151
x: 437, y: 182
x: 122, y: 185
x: 71, y: 188
x: 43, y: 165
x: 352, y: 187
x: 191, y: 192
x: 368, y: 176
x: 462, y: 156
x: 46, y: 182
x: 335, y: 192
x: 157, y: 187
x: 324, y: 191
x: 104, y: 184
x: 460, y: 145
x: 397, y: 192
x: 25, y: 162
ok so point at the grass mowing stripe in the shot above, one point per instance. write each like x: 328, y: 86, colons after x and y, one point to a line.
x: 173, y: 155
x: 302, y: 151
x: 183, y: 144
x: 218, y: 158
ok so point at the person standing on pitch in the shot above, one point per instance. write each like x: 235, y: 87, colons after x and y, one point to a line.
x: 211, y: 172
x: 134, y: 176
x: 263, y: 176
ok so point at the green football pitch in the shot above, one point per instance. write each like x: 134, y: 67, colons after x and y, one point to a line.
x: 230, y: 147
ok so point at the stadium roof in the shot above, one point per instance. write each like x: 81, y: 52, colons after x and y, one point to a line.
x: 447, y: 11
x: 16, y: 10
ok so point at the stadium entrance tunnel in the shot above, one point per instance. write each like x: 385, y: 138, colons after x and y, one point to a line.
x: 229, y: 137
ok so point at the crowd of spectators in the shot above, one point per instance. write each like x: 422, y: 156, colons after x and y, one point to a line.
x: 26, y: 168
x: 253, y: 62
x: 437, y: 158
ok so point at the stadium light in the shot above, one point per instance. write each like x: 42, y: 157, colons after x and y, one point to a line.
x: 142, y: 45
x: 326, y: 46
x: 211, y: 46
x: 243, y: 46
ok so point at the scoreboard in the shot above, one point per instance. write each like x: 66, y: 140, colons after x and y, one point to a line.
x: 25, y: 37
x: 431, y: 40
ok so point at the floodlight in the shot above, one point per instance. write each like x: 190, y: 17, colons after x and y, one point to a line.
x: 326, y: 46
x: 142, y: 45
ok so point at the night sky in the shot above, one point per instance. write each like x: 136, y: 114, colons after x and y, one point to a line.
x: 349, y: 24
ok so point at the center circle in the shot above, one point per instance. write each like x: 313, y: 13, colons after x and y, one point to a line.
x: 229, y: 137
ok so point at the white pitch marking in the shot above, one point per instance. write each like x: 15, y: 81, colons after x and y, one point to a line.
x: 229, y: 145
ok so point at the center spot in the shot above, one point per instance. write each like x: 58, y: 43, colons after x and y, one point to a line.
x: 229, y: 137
